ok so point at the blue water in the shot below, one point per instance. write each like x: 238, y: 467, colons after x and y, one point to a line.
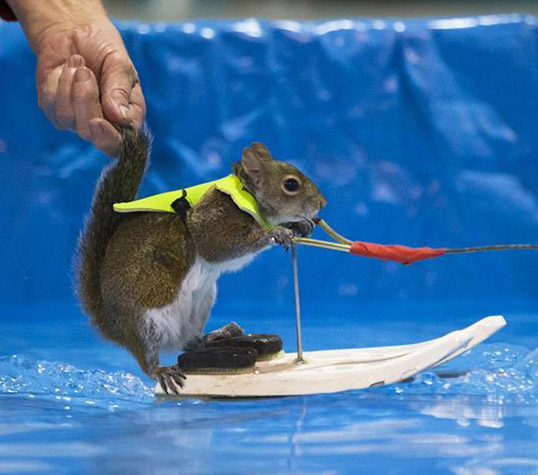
x: 71, y: 403
x: 411, y: 139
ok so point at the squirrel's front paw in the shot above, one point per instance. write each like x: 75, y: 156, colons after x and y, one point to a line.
x: 303, y: 228
x: 170, y: 377
x: 282, y: 236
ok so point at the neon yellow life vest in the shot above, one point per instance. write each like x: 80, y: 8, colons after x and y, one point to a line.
x: 231, y: 185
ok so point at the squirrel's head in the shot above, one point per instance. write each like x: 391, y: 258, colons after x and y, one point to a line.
x: 283, y: 193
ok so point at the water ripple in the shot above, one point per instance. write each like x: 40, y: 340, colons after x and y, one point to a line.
x: 22, y: 375
x: 500, y: 372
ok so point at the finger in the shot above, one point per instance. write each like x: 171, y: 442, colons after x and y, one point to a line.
x: 137, y: 106
x: 90, y: 124
x: 47, y: 92
x: 118, y: 78
x: 85, y: 100
x: 65, y: 112
x: 105, y: 136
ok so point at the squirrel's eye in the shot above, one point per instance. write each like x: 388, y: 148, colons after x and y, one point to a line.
x: 291, y: 185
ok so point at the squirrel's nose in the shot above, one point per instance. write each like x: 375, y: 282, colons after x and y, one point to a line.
x: 322, y: 202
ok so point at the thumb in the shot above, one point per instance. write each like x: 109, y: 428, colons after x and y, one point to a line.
x: 117, y: 80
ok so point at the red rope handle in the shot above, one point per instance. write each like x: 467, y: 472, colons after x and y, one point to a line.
x: 395, y: 252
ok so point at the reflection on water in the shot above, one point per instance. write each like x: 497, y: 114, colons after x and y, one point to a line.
x: 483, y: 418
x: 307, y: 435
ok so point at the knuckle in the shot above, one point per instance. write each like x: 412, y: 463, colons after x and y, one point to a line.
x: 64, y: 117
x: 127, y: 66
x: 80, y: 34
x: 84, y: 133
x: 59, y: 125
x: 120, y: 93
x: 52, y: 118
x: 40, y: 101
x: 44, y: 100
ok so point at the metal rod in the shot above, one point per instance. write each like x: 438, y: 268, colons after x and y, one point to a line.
x: 501, y: 247
x: 297, y: 304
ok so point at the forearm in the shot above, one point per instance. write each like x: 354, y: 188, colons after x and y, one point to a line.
x: 38, y: 16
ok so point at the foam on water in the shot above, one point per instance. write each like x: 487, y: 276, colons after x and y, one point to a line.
x: 25, y: 376
x: 499, y: 372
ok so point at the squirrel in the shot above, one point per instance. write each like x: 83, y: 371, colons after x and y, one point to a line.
x: 148, y: 280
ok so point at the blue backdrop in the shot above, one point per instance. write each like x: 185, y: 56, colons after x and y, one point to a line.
x: 417, y: 132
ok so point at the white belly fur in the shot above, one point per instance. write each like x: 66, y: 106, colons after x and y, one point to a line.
x: 184, y: 319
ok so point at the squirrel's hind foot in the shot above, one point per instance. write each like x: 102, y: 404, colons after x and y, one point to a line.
x: 170, y: 378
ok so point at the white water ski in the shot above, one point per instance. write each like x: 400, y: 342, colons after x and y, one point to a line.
x: 338, y: 370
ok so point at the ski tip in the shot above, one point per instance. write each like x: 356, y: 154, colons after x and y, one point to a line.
x: 496, y: 321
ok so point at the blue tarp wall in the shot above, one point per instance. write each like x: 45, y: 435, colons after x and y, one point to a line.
x: 418, y: 132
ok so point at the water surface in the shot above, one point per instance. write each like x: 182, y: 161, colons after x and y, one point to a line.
x: 71, y: 403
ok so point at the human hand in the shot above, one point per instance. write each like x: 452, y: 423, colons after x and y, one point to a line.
x: 86, y: 81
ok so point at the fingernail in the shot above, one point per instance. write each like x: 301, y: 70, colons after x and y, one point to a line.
x: 75, y: 61
x: 82, y: 75
x: 124, y: 111
x: 125, y: 114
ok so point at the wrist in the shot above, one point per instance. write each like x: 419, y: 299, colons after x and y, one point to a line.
x: 38, y: 17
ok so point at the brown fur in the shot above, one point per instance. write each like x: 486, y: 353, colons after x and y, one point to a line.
x: 131, y: 263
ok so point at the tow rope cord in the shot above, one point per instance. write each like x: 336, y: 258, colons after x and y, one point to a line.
x: 395, y: 252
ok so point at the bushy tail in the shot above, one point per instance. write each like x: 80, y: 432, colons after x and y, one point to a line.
x: 119, y: 182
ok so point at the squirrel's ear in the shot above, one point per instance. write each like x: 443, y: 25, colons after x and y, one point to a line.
x: 252, y: 165
x: 262, y: 150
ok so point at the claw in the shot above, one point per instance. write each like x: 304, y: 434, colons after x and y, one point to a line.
x: 178, y: 377
x: 170, y: 377
x: 162, y: 382
x: 282, y: 236
x: 170, y: 385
